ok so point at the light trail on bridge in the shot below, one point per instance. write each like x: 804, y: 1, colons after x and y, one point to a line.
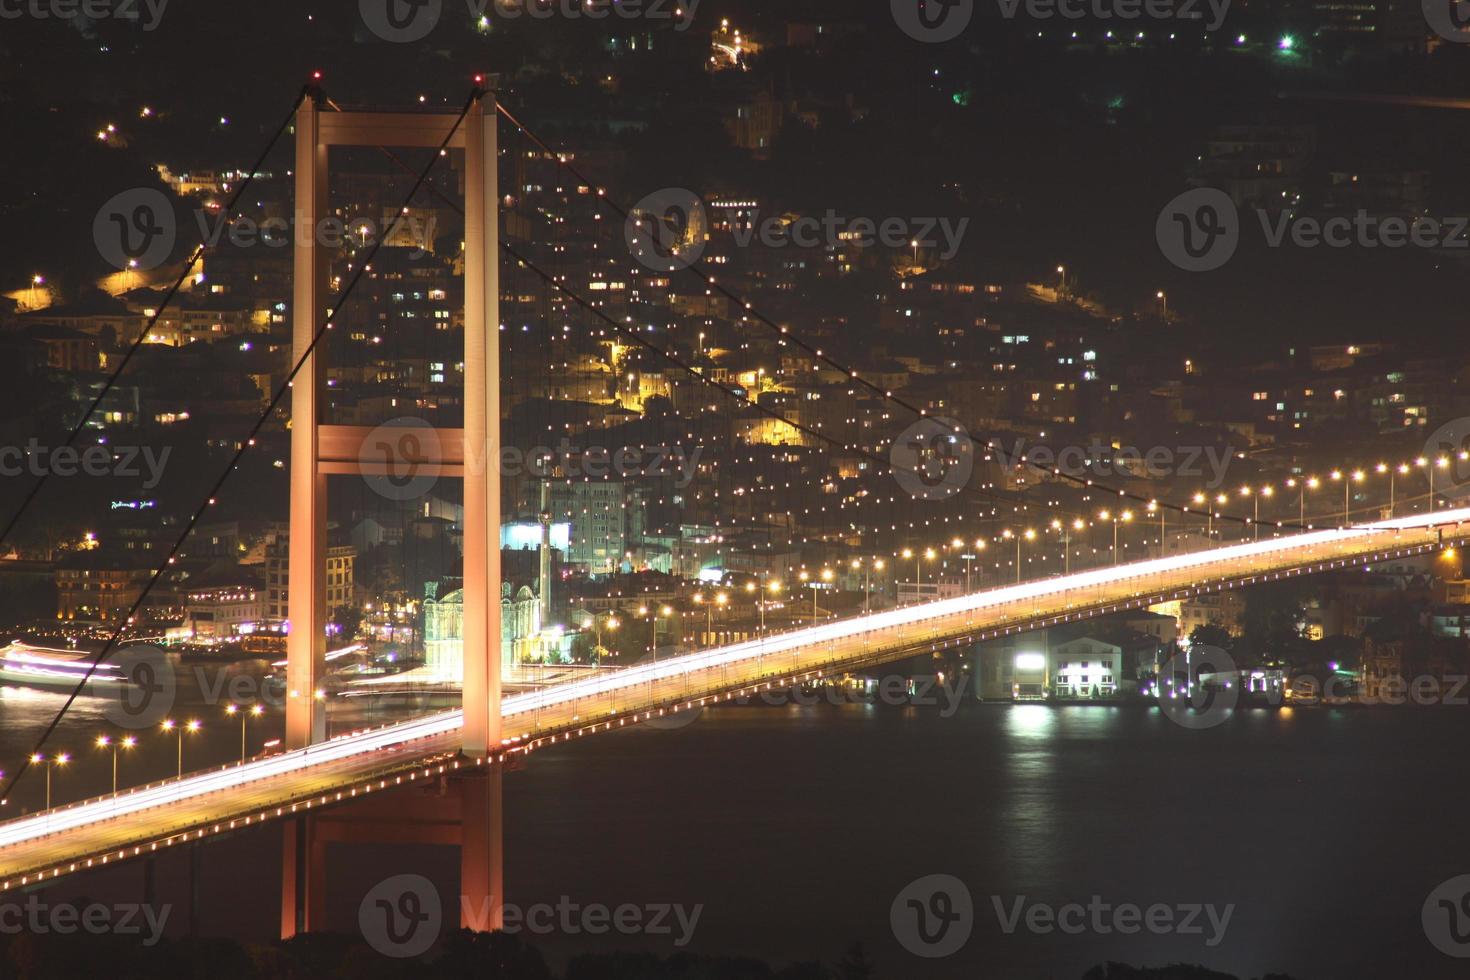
x: 40, y: 846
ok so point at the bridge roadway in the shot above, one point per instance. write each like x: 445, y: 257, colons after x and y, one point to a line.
x: 43, y: 846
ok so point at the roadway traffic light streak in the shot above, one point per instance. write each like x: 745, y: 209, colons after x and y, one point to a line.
x: 41, y: 847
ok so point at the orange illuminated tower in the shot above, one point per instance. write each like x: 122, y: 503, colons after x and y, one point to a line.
x: 319, y: 451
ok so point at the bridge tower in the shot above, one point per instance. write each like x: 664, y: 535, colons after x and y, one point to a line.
x: 319, y: 451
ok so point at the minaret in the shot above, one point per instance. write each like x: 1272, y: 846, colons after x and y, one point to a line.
x: 543, y: 589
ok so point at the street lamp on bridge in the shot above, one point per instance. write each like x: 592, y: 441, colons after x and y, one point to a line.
x: 1439, y: 463
x: 232, y: 710
x: 60, y: 759
x: 868, y: 568
x: 1027, y: 535
x: 825, y: 576
x: 1121, y: 518
x: 1256, y: 495
x: 720, y: 599
x: 929, y: 553
x: 1393, y: 473
x: 1077, y: 525
x: 107, y: 742
x: 1302, y: 486
x: 1358, y: 476
x: 193, y: 726
x: 969, y: 557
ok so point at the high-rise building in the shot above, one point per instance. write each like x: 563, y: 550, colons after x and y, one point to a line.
x: 340, y: 561
x: 606, y: 519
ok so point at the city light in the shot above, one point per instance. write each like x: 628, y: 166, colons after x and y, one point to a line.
x: 28, y: 828
x: 759, y: 371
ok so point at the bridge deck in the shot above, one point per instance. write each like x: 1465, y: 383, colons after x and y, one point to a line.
x: 43, y: 846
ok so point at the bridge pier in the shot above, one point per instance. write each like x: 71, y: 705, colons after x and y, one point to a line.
x: 481, y: 851
x: 150, y: 882
x: 303, y: 877
x: 464, y: 811
x: 196, y: 877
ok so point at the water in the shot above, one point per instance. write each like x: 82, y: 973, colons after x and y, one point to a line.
x: 201, y: 695
x: 794, y: 829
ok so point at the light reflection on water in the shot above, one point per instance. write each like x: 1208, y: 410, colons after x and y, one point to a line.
x: 795, y: 826
x: 798, y: 826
